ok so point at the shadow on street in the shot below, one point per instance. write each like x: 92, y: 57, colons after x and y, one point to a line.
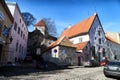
x: 26, y: 70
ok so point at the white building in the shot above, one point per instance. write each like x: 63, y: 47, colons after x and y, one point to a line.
x: 88, y: 31
x: 19, y: 33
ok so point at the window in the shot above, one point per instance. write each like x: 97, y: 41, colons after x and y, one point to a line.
x: 20, y: 20
x: 15, y: 26
x: 80, y: 40
x: 99, y: 32
x: 17, y: 46
x: 103, y: 52
x: 95, y: 38
x: 20, y: 48
x: 99, y: 40
x: 18, y: 30
x: 21, y: 33
x: 22, y: 25
x: 23, y: 36
x: 93, y: 51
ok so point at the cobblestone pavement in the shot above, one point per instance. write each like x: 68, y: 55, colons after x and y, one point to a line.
x: 71, y: 73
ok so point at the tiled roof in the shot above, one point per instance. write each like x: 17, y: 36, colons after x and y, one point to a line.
x: 63, y: 41
x: 111, y: 39
x: 40, y: 23
x: 80, y: 46
x: 81, y: 27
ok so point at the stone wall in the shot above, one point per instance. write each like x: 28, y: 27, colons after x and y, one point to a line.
x: 67, y: 56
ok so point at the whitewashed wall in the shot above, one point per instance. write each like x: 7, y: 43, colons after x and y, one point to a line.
x: 75, y: 40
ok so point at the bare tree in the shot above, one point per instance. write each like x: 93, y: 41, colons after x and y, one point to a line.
x: 28, y: 18
x: 51, y: 27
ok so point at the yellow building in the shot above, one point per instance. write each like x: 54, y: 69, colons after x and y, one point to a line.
x: 115, y: 36
x: 6, y: 20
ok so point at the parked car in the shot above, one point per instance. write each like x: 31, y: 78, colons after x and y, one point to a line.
x: 92, y: 63
x: 112, y: 69
x: 104, y: 62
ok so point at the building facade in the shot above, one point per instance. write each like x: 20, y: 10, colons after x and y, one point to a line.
x: 62, y: 52
x: 19, y: 33
x: 6, y: 21
x: 115, y: 36
x: 39, y: 39
x: 113, y: 49
x: 83, y: 52
x: 89, y: 30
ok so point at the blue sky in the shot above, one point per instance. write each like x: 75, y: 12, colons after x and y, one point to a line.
x: 65, y: 12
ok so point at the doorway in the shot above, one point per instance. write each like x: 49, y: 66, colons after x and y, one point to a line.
x: 79, y: 60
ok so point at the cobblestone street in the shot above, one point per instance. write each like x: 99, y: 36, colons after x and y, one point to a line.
x: 71, y: 73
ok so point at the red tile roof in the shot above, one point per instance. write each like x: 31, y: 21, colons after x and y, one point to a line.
x: 111, y: 39
x: 80, y: 46
x: 81, y: 27
x: 40, y: 23
x: 64, y: 41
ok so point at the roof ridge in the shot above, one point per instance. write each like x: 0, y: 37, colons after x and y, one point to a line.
x: 81, y: 27
x: 61, y: 39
